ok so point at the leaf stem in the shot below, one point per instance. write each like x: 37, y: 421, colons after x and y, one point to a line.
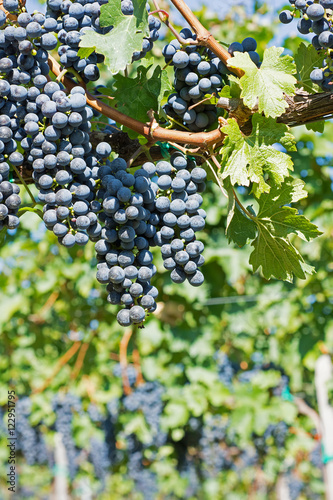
x: 239, y: 203
x: 218, y: 180
x: 241, y: 206
x: 164, y: 17
x: 204, y: 37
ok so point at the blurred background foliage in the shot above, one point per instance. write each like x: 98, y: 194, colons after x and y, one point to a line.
x: 237, y: 350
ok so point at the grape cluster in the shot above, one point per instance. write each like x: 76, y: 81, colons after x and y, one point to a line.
x: 144, y: 479
x: 99, y: 458
x: 64, y: 408
x: 64, y: 165
x: 214, y: 455
x: 225, y: 368
x: 10, y: 200
x: 29, y: 439
x: 125, y: 263
x: 315, y: 17
x: 156, y: 206
x: 197, y: 72
x: 70, y: 20
x: 148, y: 399
x: 248, y: 45
x: 154, y: 25
x: 181, y: 217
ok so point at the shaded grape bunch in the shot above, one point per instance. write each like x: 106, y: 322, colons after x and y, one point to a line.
x: 148, y: 399
x: 158, y: 205
x: 99, y: 458
x: 64, y: 408
x: 30, y: 441
x: 315, y: 18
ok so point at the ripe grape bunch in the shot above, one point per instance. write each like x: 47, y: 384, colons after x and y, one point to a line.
x: 70, y: 20
x: 198, y: 75
x: 157, y: 206
x: 315, y: 17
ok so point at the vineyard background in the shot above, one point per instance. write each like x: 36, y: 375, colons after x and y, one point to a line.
x: 239, y: 351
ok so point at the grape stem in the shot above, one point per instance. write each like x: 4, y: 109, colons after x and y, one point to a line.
x: 137, y: 366
x: 204, y: 37
x: 61, y: 362
x: 218, y: 180
x: 239, y: 203
x: 142, y: 149
x: 123, y: 359
x: 25, y: 185
x: 165, y: 19
x: 81, y: 356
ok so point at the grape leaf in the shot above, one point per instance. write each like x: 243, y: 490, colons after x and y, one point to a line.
x: 266, y: 86
x: 240, y: 229
x: 246, y: 159
x: 273, y: 252
x: 136, y: 96
x: 277, y: 257
x: 124, y: 39
x: 316, y: 126
x: 284, y: 220
x: 307, y: 58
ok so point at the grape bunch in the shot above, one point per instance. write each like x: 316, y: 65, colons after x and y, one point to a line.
x: 123, y: 249
x: 148, y: 399
x: 10, y: 200
x: 248, y: 45
x: 30, y: 440
x: 99, y: 458
x: 315, y: 17
x: 64, y: 408
x: 156, y: 206
x: 70, y: 20
x: 48, y: 131
x: 64, y: 165
x: 181, y: 217
x: 198, y: 73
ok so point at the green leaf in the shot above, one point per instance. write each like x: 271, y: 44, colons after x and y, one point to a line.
x: 83, y: 53
x: 266, y: 86
x: 273, y: 252
x: 176, y: 415
x: 124, y: 39
x: 240, y: 229
x: 277, y: 257
x: 136, y: 96
x: 246, y: 159
x: 316, y: 126
x: 307, y: 58
x: 35, y: 210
